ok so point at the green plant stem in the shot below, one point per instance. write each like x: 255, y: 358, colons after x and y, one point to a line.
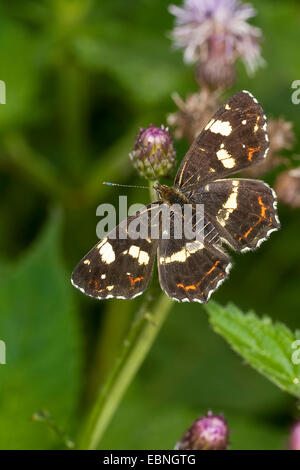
x: 113, y: 330
x: 72, y: 110
x: 135, y: 348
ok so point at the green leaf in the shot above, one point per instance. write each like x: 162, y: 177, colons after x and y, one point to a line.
x: 266, y: 346
x: 189, y: 371
x: 39, y: 326
x: 21, y: 75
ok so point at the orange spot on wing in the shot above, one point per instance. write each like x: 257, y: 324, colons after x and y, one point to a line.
x: 93, y: 284
x: 263, y: 207
x: 194, y: 287
x: 251, y: 151
x: 191, y: 287
x: 263, y: 211
x: 133, y: 281
x: 213, y: 268
x: 250, y: 230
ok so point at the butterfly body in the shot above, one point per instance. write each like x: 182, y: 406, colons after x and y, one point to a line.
x: 238, y: 213
x: 171, y: 195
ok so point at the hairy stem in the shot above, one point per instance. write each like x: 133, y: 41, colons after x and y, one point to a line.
x: 135, y: 347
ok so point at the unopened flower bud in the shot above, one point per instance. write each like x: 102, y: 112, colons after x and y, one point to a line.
x: 294, y: 441
x: 287, y: 187
x: 207, y: 433
x: 153, y: 154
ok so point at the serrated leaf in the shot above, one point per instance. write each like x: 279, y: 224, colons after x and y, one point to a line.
x: 265, y: 345
x: 39, y: 326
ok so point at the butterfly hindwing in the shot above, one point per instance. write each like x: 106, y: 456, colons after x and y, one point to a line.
x: 118, y: 266
x: 234, y: 139
x: 190, y: 270
x: 242, y: 210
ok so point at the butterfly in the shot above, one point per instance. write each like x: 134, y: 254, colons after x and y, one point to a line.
x: 240, y: 213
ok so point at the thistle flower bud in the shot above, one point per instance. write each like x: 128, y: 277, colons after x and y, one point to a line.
x: 287, y: 187
x: 153, y: 154
x: 294, y: 441
x: 209, y: 432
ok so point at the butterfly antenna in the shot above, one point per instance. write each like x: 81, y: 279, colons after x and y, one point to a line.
x: 124, y: 185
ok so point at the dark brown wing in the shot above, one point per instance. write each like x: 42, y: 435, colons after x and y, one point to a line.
x: 120, y: 266
x: 234, y: 139
x: 242, y: 210
x: 190, y: 271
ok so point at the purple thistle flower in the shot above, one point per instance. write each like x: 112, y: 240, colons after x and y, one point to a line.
x: 294, y: 443
x: 215, y: 33
x: 209, y: 432
x: 153, y: 154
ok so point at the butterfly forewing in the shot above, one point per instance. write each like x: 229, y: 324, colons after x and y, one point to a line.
x: 234, y: 139
x: 119, y: 266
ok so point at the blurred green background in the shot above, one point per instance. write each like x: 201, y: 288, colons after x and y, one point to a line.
x: 81, y: 76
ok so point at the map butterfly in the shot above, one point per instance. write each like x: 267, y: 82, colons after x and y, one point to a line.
x: 239, y: 213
